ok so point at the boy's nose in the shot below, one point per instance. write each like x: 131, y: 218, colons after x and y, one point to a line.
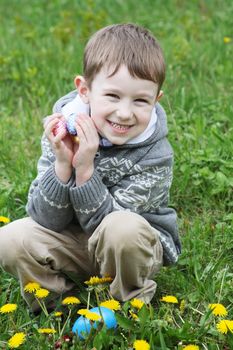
x: 124, y: 111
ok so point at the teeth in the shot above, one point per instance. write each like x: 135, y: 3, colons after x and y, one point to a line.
x: 120, y: 127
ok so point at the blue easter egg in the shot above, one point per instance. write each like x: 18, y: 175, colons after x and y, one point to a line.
x: 70, y: 124
x: 107, y: 314
x: 83, y: 325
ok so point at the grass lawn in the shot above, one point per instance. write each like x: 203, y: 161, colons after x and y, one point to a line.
x: 41, y: 52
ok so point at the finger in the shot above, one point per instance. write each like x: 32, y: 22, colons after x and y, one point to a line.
x: 84, y: 115
x: 88, y: 141
x: 59, y: 136
x: 51, y: 124
x: 52, y: 132
x: 49, y: 118
x: 88, y: 127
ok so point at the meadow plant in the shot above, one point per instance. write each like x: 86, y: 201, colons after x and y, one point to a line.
x: 171, y: 324
x: 41, y: 46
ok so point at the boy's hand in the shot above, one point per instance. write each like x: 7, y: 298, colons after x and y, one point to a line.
x: 62, y: 146
x: 85, y: 151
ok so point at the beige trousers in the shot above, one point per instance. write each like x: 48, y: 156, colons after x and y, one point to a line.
x: 124, y: 246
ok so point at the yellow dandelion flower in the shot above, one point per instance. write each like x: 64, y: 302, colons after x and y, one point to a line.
x: 98, y: 280
x: 93, y: 280
x: 31, y: 287
x: 137, y: 303
x: 106, y: 279
x: 133, y: 315
x: 226, y: 39
x: 46, y: 330
x: 218, y: 309
x: 111, y: 304
x: 92, y: 316
x: 169, y: 299
x: 141, y: 345
x: 16, y: 340
x: 41, y: 293
x: 82, y: 312
x: 58, y: 314
x: 191, y: 347
x: 7, y: 308
x: 70, y: 301
x: 230, y: 325
x: 224, y: 326
x: 4, y: 219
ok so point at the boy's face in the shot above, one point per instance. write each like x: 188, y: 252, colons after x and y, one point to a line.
x: 121, y: 105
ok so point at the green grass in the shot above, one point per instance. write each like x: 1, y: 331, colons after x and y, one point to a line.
x: 41, y: 52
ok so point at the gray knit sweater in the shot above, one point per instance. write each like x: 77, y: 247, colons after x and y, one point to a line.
x: 135, y: 177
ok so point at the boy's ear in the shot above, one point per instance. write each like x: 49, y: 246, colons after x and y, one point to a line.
x: 160, y: 95
x: 82, y: 88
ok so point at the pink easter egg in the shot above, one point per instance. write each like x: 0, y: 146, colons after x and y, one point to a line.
x: 60, y: 126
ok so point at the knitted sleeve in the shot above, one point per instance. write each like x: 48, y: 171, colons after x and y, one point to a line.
x: 48, y: 198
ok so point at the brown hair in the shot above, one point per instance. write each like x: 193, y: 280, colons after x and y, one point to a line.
x: 127, y: 44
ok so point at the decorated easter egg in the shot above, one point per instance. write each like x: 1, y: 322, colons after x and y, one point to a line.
x: 107, y: 315
x: 82, y: 325
x: 61, y: 125
x: 70, y: 124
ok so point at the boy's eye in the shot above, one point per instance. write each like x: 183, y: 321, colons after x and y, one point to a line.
x: 141, y: 100
x: 112, y: 96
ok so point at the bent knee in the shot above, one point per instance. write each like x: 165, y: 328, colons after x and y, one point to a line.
x: 12, y: 241
x: 125, y: 228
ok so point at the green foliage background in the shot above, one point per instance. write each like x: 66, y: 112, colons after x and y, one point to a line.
x: 41, y: 52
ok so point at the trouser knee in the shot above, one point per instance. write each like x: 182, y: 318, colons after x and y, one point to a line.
x: 12, y: 242
x: 125, y: 230
x: 123, y: 233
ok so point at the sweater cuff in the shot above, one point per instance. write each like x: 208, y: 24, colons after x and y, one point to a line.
x: 89, y: 193
x: 53, y: 188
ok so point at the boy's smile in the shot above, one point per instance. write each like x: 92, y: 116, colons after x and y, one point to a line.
x: 121, y: 105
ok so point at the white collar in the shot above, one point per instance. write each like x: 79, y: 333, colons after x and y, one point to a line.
x: 75, y: 106
x: 78, y: 106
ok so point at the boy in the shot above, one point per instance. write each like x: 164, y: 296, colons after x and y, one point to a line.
x: 100, y: 206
